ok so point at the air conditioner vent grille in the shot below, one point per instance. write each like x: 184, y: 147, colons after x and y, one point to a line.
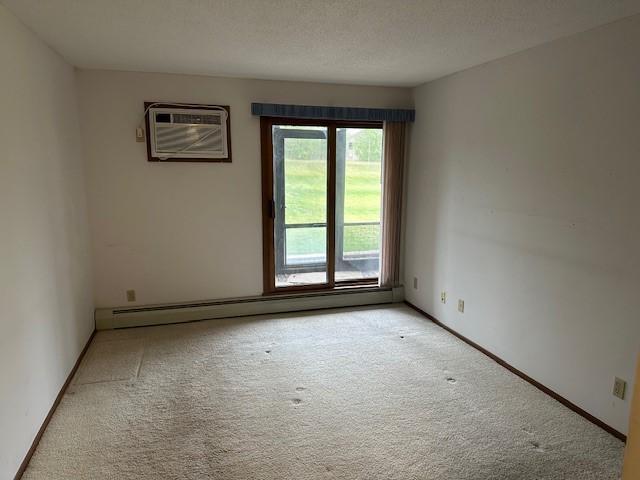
x: 196, y: 119
x: 187, y: 138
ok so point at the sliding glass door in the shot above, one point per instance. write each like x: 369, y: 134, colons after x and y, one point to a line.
x: 322, y: 196
x: 301, y: 167
x: 358, y: 203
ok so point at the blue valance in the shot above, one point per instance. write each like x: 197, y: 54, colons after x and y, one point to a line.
x: 333, y: 113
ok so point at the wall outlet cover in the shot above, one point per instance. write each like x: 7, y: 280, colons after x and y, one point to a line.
x: 415, y: 283
x: 619, y: 388
x: 131, y: 295
x: 461, y: 306
x: 443, y: 296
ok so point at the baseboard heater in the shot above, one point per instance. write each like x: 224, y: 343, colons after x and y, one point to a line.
x: 121, y: 317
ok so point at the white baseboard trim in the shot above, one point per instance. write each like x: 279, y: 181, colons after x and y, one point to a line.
x: 140, y: 316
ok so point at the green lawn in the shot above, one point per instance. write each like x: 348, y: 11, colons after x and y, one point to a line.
x: 305, y: 187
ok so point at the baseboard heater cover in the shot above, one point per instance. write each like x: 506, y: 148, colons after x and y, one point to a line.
x: 123, y: 317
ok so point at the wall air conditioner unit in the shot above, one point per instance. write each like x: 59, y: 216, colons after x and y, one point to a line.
x: 188, y: 133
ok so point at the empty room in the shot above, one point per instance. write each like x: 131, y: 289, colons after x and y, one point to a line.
x: 302, y: 239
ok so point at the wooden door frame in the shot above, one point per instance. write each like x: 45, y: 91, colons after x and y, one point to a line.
x: 268, y: 204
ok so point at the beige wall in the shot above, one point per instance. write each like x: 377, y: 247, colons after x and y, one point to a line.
x: 44, y: 249
x: 180, y: 232
x: 523, y: 200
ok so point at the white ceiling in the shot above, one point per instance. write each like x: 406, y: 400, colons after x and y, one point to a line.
x: 384, y: 42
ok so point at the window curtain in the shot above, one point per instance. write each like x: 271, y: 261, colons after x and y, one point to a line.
x: 392, y: 181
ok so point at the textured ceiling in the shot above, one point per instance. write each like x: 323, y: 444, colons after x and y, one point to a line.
x: 384, y: 42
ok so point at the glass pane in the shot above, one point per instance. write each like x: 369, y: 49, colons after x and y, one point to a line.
x: 300, y: 191
x: 306, y: 245
x: 358, y: 202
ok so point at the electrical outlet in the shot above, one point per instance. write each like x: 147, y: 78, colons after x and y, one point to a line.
x: 619, y: 388
x: 140, y: 134
x: 461, y: 306
x: 443, y: 296
x: 131, y: 295
x: 415, y: 283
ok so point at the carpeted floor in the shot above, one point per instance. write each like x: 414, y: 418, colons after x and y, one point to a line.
x: 369, y: 393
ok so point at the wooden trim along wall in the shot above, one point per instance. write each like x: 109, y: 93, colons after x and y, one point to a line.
x: 56, y: 402
x: 524, y: 376
x: 631, y: 468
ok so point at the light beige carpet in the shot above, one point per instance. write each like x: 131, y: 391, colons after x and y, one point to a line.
x: 374, y: 393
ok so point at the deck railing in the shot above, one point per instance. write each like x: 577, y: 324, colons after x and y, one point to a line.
x: 367, y: 244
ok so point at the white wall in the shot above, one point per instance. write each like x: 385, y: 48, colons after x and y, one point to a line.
x: 45, y: 278
x: 190, y: 231
x: 523, y: 200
